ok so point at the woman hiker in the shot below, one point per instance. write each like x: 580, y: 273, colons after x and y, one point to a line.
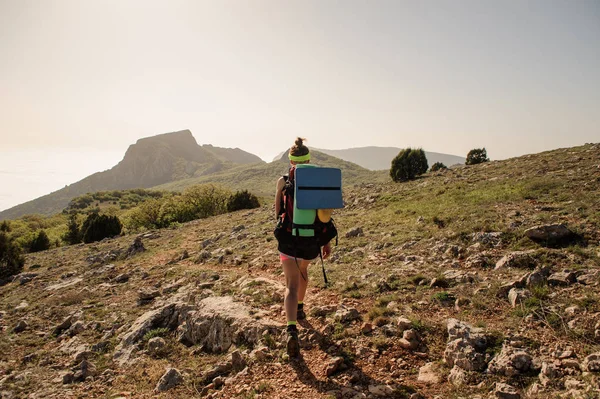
x: 295, y: 253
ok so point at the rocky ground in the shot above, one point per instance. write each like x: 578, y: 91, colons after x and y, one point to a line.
x: 475, y: 282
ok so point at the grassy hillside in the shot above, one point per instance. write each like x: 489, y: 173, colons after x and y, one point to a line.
x: 380, y: 158
x: 449, y: 245
x: 261, y: 178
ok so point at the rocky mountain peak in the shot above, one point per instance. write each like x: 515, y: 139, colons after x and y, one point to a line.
x: 179, y: 144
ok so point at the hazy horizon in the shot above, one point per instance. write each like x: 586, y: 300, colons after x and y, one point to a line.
x: 26, y: 168
x: 81, y: 81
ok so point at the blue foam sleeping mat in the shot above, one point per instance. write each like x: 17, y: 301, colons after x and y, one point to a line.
x: 318, y: 188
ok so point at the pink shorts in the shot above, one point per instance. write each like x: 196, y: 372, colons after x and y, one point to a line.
x: 283, y: 257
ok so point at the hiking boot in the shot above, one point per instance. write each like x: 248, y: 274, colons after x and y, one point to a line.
x: 293, y: 344
x: 301, y: 315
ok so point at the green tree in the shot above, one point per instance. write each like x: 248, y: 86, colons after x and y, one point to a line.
x: 40, y: 242
x: 97, y: 227
x: 408, y: 164
x: 146, y: 215
x: 11, y: 260
x: 5, y: 226
x: 477, y: 155
x: 438, y: 166
x: 205, y: 200
x: 242, y: 200
x: 73, y: 234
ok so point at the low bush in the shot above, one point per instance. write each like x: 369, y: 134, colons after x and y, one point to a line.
x: 408, y: 164
x: 40, y: 242
x: 11, y: 260
x: 242, y: 200
x: 476, y: 156
x: 437, y: 166
x: 97, y: 227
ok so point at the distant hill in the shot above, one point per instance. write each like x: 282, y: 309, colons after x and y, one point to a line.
x: 261, y: 178
x: 150, y: 162
x: 234, y: 155
x: 175, y: 161
x: 380, y: 158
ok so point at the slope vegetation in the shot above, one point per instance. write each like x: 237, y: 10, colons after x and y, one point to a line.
x: 149, y: 162
x: 261, y: 178
x: 439, y: 287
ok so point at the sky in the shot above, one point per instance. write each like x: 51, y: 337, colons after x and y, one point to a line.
x: 80, y: 81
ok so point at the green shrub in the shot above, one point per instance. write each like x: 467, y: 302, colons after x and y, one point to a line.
x: 73, y: 234
x: 40, y: 242
x: 97, y: 227
x: 5, y: 227
x: 11, y: 261
x: 408, y: 164
x: 205, y: 200
x: 477, y: 155
x: 147, y: 215
x: 437, y: 166
x: 442, y: 296
x: 157, y: 332
x: 242, y: 200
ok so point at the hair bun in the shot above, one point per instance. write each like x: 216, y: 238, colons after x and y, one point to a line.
x: 299, y: 141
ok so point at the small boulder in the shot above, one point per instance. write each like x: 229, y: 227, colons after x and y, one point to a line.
x: 83, y: 370
x: 511, y: 362
x: 24, y: 278
x: 491, y: 239
x: 551, y: 234
x: 403, y: 324
x: 20, y: 327
x: 333, y: 365
x: 439, y: 282
x: 457, y: 376
x: 381, y: 390
x: 156, y: 346
x: 505, y: 391
x: 538, y: 276
x: 563, y: 278
x: 592, y: 363
x: 347, y: 315
x: 122, y: 278
x: 355, y: 232
x: 76, y: 328
x: 238, y: 228
x: 203, y: 256
x: 410, y: 340
x: 81, y: 355
x: 218, y: 370
x: 519, y: 259
x: 68, y: 377
x: 366, y: 328
x: 169, y: 380
x: 477, y: 261
x: 135, y: 248
x: 65, y: 324
x: 518, y: 295
x: 429, y: 374
x: 147, y: 295
x: 238, y: 362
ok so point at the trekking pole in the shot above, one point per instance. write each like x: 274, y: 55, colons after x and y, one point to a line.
x: 323, y: 266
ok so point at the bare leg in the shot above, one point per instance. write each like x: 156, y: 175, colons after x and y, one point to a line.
x: 303, y: 283
x: 292, y: 288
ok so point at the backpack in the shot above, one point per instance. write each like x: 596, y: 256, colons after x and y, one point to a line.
x: 323, y: 232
